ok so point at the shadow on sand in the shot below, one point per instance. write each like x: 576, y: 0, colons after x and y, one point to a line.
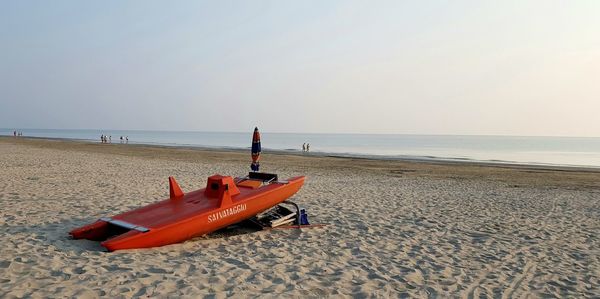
x: 57, y: 234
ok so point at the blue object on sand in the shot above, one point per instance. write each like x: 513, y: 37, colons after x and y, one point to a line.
x: 303, y: 217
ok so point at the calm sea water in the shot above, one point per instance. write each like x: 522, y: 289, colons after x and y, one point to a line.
x: 570, y: 151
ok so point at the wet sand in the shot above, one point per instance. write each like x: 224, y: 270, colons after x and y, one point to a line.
x: 396, y: 228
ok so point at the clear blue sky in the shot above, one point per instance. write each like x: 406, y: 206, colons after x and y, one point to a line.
x: 424, y: 67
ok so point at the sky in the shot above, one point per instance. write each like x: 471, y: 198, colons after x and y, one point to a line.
x: 392, y: 67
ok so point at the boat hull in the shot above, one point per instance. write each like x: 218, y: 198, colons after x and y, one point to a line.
x: 191, y: 215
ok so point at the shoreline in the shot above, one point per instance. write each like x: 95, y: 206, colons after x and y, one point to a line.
x: 367, y: 157
x: 513, y: 175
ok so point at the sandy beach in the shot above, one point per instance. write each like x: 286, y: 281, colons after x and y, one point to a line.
x: 396, y: 228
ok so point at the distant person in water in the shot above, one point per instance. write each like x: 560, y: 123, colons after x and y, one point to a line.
x: 15, y: 133
x: 307, y: 147
x: 110, y: 139
x: 126, y: 139
x: 102, y: 138
x: 303, y: 147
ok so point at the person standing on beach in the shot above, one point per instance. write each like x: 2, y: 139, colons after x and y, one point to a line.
x: 102, y: 138
x: 307, y: 147
x: 15, y: 133
x: 303, y: 147
x: 126, y: 139
x: 110, y: 139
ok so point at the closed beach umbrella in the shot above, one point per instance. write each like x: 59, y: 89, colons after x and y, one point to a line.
x: 255, y: 150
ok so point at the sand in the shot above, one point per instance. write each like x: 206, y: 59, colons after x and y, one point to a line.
x: 396, y: 228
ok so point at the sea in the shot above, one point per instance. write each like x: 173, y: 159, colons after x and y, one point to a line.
x: 530, y: 150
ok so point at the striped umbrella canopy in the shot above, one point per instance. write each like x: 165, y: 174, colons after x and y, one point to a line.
x: 255, y: 150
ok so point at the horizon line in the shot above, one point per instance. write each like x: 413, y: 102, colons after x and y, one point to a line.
x: 315, y: 133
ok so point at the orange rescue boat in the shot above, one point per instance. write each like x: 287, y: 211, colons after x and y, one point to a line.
x: 223, y: 202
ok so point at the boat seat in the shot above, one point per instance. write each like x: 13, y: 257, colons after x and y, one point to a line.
x: 252, y: 184
x: 265, y: 177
